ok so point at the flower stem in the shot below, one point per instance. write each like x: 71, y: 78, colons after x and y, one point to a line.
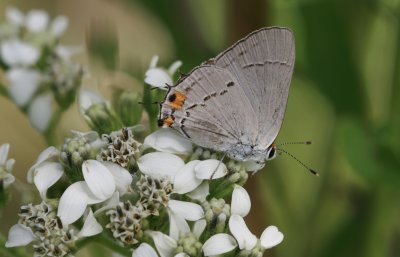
x: 49, y: 134
x: 106, y: 241
x: 3, y: 91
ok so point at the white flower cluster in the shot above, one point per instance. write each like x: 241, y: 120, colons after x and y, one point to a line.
x: 158, y: 186
x: 156, y: 197
x: 38, y: 69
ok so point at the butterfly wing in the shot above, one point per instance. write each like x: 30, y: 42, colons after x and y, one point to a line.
x: 263, y: 64
x: 210, y: 108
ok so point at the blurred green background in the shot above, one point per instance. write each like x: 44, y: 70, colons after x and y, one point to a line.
x: 344, y: 97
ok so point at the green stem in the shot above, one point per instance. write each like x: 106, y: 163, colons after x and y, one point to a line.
x: 49, y: 134
x: 108, y: 242
x: 3, y: 91
x: 12, y: 252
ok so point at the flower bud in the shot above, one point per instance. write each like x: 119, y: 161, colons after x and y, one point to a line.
x: 102, y: 118
x: 129, y: 108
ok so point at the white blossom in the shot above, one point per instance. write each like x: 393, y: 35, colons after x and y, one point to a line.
x: 14, y: 52
x: 41, y: 111
x: 24, y: 83
x: 87, y: 98
x: 168, y: 141
x: 101, y: 182
x: 158, y: 77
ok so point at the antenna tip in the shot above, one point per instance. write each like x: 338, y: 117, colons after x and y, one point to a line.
x: 314, y: 172
x: 308, y: 142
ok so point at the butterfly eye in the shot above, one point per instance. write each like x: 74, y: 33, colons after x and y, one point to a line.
x: 272, y: 153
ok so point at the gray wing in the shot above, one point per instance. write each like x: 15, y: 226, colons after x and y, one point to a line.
x: 263, y: 64
x: 210, y: 108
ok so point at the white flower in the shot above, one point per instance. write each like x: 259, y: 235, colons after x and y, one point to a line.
x: 49, y: 155
x: 41, y: 111
x: 102, y: 180
x: 168, y: 141
x: 15, y: 52
x: 161, y: 165
x: 87, y: 98
x: 166, y: 245
x: 144, y: 250
x: 15, y: 16
x: 59, y: 25
x: 36, y: 20
x: 23, y: 84
x: 240, y: 203
x: 65, y: 52
x: 20, y: 235
x: 6, y: 178
x: 158, y: 77
x: 270, y: 237
x: 219, y: 244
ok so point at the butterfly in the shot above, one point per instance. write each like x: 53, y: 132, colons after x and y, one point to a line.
x: 235, y: 103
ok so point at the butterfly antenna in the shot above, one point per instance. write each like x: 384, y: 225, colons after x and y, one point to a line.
x: 220, y: 161
x: 305, y: 166
x: 295, y: 143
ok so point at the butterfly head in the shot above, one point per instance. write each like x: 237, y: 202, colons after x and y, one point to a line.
x: 271, y: 152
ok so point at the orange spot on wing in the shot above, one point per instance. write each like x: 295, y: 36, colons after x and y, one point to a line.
x: 177, y: 100
x: 167, y: 122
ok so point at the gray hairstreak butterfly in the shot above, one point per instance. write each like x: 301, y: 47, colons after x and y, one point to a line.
x: 235, y: 103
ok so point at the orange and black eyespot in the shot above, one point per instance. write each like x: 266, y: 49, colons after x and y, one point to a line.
x: 176, y: 100
x: 166, y: 122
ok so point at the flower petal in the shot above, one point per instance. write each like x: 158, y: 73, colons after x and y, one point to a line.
x: 174, y: 67
x: 242, y: 234
x: 14, y: 16
x: 241, y: 203
x: 219, y: 244
x: 177, y: 225
x: 47, y: 154
x: 37, y: 20
x: 4, y: 149
x: 201, y: 192
x: 41, y: 111
x: 157, y: 77
x: 271, y: 237
x: 73, y: 202
x: 168, y: 141
x: 16, y: 52
x: 87, y: 98
x: 199, y: 226
x: 47, y: 175
x: 187, y: 210
x: 185, y: 180
x: 164, y: 244
x: 210, y: 169
x: 10, y: 164
x: 91, y: 227
x: 122, y: 177
x: 160, y: 164
x: 153, y: 62
x: 109, y: 204
x: 144, y: 250
x: 23, y: 84
x: 8, y: 179
x: 19, y: 235
x: 99, y: 179
x: 59, y: 25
